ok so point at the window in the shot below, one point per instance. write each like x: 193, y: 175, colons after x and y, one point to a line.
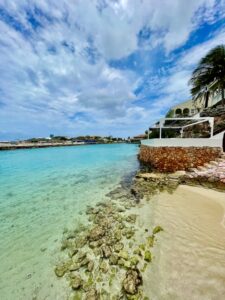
x: 186, y: 112
x: 178, y: 111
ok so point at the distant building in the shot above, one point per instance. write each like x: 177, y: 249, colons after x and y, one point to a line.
x: 138, y: 138
x: 188, y: 108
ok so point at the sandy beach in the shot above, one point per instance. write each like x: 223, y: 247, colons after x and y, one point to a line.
x: 189, y: 255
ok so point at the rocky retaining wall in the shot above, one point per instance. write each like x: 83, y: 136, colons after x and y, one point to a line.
x: 171, y: 159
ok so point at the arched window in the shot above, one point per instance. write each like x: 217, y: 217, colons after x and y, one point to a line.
x: 186, y: 112
x: 178, y: 112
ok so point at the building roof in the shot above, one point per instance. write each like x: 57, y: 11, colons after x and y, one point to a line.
x: 186, y: 104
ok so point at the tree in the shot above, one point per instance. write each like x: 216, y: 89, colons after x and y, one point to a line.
x: 211, y: 68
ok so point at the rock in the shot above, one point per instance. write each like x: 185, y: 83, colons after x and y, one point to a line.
x: 86, y: 286
x: 130, y: 244
x: 96, y: 233
x: 76, y: 282
x: 134, y: 261
x: 61, y: 269
x: 121, y: 262
x: 131, y: 218
x: 84, y: 262
x: 148, y: 256
x: 91, y: 295
x: 113, y: 260
x: 93, y: 245
x: 97, y: 251
x: 76, y: 296
x: 81, y: 256
x: 132, y: 281
x: 74, y: 267
x: 118, y: 247
x: 137, y: 251
x: 103, y: 266
x: 129, y: 233
x: 73, y: 252
x: 142, y: 247
x: 80, y: 242
x: 120, y: 209
x: 118, y: 235
x: 90, y: 266
x: 106, y: 251
x: 104, y: 295
x: 150, y: 240
x: 123, y: 254
x: 157, y: 229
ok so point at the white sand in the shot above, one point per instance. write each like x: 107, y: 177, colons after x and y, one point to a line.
x: 189, y: 256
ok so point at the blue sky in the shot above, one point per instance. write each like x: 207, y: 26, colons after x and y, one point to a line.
x: 75, y: 67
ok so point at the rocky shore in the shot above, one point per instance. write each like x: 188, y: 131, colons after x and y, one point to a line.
x: 108, y: 256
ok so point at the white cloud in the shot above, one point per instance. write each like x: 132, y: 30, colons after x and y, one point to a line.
x: 56, y: 71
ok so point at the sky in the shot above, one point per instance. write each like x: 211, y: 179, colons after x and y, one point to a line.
x: 99, y: 67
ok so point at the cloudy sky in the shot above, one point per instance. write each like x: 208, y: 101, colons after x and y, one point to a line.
x: 72, y: 67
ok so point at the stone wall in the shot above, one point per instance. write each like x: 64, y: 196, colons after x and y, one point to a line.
x: 171, y: 159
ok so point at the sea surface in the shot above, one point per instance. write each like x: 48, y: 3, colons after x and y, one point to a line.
x: 43, y: 192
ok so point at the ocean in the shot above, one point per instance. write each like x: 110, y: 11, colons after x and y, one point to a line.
x: 42, y: 193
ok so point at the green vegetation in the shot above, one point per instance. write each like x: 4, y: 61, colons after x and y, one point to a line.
x: 169, y: 114
x: 211, y: 68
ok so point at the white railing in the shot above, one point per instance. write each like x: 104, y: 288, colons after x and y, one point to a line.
x: 194, y: 121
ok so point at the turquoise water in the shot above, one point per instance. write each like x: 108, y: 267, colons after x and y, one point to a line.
x: 43, y: 191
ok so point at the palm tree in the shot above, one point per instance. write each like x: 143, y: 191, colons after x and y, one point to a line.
x: 211, y: 68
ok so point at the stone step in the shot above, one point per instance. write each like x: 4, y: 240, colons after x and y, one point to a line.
x: 219, y: 159
x: 213, y: 163
x: 201, y: 168
x: 207, y: 165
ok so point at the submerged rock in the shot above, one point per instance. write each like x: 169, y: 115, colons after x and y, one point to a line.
x: 131, y: 218
x: 118, y: 235
x: 150, y: 241
x: 132, y: 281
x: 106, y: 251
x: 118, y: 247
x: 81, y: 256
x: 104, y: 266
x: 113, y: 260
x: 157, y: 229
x: 134, y: 261
x: 96, y: 233
x: 137, y: 251
x: 91, y: 295
x: 74, y: 267
x: 123, y: 254
x: 81, y: 242
x: 84, y: 262
x: 90, y: 266
x: 76, y: 282
x: 148, y: 256
x: 86, y: 286
x: 129, y: 232
x: 62, y: 268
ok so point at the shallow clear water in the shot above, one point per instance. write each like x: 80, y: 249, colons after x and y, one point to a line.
x: 42, y: 191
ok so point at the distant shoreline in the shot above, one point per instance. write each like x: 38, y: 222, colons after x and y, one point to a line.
x: 5, y: 146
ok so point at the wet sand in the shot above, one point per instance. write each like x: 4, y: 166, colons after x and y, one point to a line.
x: 189, y: 256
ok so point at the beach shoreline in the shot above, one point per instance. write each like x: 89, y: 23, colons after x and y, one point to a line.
x: 146, y: 203
x: 8, y: 146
